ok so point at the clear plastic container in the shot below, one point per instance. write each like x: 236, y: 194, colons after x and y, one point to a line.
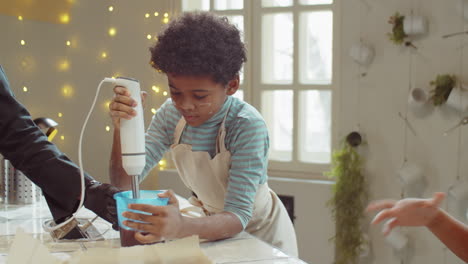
x: 123, y: 199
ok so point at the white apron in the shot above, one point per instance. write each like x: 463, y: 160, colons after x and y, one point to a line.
x: 208, y: 179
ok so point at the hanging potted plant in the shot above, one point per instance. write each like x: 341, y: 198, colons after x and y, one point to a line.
x: 443, y: 86
x: 362, y: 53
x: 458, y: 97
x: 403, y: 27
x: 348, y: 201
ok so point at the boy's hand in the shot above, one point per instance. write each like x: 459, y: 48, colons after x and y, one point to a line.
x: 164, y: 221
x: 122, y: 105
x: 406, y: 212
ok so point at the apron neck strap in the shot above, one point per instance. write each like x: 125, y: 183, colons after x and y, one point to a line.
x: 179, y: 129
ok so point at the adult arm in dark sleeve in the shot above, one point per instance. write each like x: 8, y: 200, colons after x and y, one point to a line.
x: 27, y: 148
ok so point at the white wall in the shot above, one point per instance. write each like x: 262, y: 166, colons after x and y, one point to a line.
x: 372, y: 101
x: 375, y: 100
x: 128, y: 55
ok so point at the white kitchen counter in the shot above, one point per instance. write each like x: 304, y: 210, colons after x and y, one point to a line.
x: 242, y: 248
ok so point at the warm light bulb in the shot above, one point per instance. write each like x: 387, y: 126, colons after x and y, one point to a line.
x: 165, y: 93
x: 103, y: 54
x: 64, y: 65
x: 64, y: 18
x: 147, y: 15
x: 20, y: 18
x: 112, y: 31
x: 67, y: 91
x: 155, y: 88
x: 166, y: 20
x: 111, y: 8
x: 166, y: 15
x: 62, y: 137
x: 107, y: 128
x: 60, y: 114
x: 68, y: 43
x: 25, y: 89
x: 162, y: 164
x: 22, y: 42
x: 107, y: 105
x: 156, y: 14
x: 148, y: 36
x: 153, y: 110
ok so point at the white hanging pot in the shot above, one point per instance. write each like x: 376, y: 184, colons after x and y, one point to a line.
x: 417, y: 98
x: 362, y: 54
x: 412, y: 179
x: 458, y: 99
x: 396, y: 239
x: 411, y: 175
x: 414, y: 25
x: 418, y: 101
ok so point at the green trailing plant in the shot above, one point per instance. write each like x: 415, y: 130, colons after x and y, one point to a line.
x: 348, y: 203
x: 443, y: 85
x: 398, y: 35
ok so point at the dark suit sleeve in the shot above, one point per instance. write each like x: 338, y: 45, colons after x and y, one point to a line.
x: 28, y: 149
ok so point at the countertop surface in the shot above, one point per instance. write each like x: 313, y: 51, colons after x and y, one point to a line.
x: 242, y: 248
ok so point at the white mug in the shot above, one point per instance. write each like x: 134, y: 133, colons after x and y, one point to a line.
x: 396, y: 239
x: 411, y: 175
x: 362, y: 54
x: 414, y: 25
x: 417, y: 98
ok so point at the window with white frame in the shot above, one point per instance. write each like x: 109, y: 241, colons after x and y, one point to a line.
x: 236, y: 13
x: 290, y: 75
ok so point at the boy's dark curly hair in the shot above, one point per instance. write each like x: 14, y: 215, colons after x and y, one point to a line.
x: 200, y: 44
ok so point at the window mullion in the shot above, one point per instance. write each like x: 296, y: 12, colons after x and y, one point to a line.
x: 296, y: 108
x: 256, y: 42
x: 248, y: 36
x: 212, y: 8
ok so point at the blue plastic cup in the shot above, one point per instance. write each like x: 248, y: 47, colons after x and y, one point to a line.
x: 123, y: 199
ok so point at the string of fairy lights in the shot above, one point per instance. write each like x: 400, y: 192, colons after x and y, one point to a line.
x: 63, y: 64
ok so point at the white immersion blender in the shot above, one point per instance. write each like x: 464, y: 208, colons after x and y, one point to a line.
x: 132, y: 134
x: 132, y: 140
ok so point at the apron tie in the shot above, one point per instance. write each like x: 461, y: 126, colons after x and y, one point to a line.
x: 197, y: 210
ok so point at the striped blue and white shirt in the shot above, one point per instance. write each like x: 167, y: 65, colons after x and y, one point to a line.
x: 246, y: 139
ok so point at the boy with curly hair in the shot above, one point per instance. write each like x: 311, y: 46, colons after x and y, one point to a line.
x: 219, y: 144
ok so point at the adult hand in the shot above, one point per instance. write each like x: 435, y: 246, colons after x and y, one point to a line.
x: 406, y: 212
x: 99, y: 198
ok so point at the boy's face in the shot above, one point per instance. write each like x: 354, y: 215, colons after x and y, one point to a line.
x: 198, y: 98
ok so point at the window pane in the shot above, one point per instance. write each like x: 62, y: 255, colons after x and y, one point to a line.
x: 315, y: 47
x: 228, y: 4
x: 315, y: 2
x: 274, y: 3
x: 239, y: 94
x: 315, y: 126
x: 238, y: 21
x: 277, y: 48
x: 277, y: 109
x: 193, y: 5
